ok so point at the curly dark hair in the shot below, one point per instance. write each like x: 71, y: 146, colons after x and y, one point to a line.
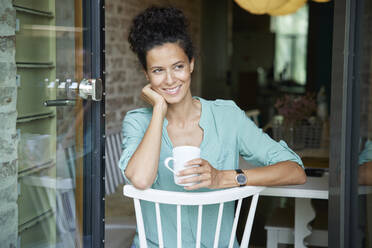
x: 156, y: 26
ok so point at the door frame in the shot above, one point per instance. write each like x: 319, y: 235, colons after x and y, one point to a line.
x: 94, y: 126
x: 345, y: 122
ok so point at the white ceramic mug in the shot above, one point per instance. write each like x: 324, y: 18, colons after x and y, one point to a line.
x: 182, y: 155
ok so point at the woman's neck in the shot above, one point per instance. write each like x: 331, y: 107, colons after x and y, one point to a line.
x: 185, y: 111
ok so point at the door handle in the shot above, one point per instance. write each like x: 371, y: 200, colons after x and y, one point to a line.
x: 91, y: 87
x: 86, y: 88
x: 59, y: 102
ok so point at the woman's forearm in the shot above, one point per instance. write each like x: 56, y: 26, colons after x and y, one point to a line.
x: 143, y: 165
x: 282, y: 173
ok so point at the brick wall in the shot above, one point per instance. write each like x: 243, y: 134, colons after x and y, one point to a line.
x: 124, y: 76
x: 8, y: 136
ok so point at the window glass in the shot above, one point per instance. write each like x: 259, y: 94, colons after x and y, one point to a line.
x: 290, y: 45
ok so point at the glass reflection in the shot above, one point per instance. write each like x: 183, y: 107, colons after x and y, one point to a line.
x: 364, y: 168
x: 50, y: 147
x: 365, y: 164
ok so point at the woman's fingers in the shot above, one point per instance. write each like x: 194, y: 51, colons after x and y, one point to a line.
x: 146, y: 94
x: 197, y: 161
x: 200, y: 181
x: 204, y: 174
x: 192, y: 170
x: 147, y: 99
x: 154, y: 98
x: 195, y: 179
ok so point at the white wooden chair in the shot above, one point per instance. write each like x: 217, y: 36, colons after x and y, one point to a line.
x: 113, y: 175
x: 113, y: 150
x: 195, y: 199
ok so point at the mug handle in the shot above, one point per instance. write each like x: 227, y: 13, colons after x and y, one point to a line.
x: 166, y: 162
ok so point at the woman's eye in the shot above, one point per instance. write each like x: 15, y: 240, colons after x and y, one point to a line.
x: 156, y: 70
x: 179, y: 67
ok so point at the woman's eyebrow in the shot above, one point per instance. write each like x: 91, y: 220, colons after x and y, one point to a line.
x: 156, y: 67
x: 180, y: 61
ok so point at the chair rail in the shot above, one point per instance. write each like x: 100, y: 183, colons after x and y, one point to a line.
x: 192, y: 198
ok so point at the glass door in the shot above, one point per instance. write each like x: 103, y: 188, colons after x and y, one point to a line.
x: 59, y: 124
x: 350, y: 195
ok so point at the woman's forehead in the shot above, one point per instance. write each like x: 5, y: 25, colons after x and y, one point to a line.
x: 165, y: 55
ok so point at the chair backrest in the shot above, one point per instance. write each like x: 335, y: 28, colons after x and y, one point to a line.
x: 113, y: 176
x: 253, y: 114
x: 195, y: 199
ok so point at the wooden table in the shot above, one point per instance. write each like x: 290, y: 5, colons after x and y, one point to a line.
x: 314, y: 188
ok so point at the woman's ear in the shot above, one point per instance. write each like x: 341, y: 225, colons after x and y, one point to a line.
x: 192, y: 65
x: 146, y: 75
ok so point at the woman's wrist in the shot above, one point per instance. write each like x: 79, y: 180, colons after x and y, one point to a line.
x: 160, y: 109
x: 226, y: 179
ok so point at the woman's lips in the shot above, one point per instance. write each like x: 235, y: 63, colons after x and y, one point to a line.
x: 172, y: 91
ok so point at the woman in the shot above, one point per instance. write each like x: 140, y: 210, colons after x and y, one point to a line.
x: 222, y: 131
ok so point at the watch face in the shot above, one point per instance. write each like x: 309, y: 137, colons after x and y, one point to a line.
x: 241, y: 179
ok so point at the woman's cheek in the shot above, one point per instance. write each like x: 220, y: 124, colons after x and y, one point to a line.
x: 183, y: 75
x: 156, y: 81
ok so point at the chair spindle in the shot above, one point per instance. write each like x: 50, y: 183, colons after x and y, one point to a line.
x: 235, y: 224
x: 140, y: 225
x: 158, y: 222
x: 218, y: 226
x: 249, y: 223
x: 198, y: 234
x: 179, y: 229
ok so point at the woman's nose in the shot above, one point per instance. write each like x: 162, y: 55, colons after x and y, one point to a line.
x: 170, y: 77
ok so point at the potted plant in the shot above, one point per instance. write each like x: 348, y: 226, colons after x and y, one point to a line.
x: 296, y: 122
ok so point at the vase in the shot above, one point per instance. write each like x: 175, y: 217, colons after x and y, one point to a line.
x: 293, y: 133
x: 313, y: 131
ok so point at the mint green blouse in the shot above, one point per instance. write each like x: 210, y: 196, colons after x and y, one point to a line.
x: 228, y: 133
x: 366, y: 155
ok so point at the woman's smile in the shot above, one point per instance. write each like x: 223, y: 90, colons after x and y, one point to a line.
x: 172, y: 91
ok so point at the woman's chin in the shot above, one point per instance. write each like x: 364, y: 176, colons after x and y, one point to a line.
x: 173, y: 99
x: 180, y: 96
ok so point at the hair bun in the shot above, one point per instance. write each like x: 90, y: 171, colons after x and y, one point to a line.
x: 156, y: 26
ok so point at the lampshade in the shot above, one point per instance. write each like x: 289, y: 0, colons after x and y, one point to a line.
x: 259, y: 7
x: 288, y: 8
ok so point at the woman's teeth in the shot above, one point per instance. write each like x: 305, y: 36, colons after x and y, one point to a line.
x: 172, y: 90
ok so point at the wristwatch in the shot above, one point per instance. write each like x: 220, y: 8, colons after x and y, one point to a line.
x: 240, y: 177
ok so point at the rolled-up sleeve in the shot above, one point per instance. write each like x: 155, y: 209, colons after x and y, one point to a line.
x: 132, y: 136
x: 366, y: 155
x: 257, y: 148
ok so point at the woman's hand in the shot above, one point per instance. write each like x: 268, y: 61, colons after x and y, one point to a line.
x: 154, y: 98
x: 208, y: 176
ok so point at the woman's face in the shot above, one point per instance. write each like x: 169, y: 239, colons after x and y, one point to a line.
x: 169, y: 71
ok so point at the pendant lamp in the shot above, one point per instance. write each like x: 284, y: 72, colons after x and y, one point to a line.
x: 273, y: 7
x: 261, y: 6
x: 288, y: 8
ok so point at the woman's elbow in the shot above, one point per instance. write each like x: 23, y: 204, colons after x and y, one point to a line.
x: 138, y: 181
x: 302, y: 176
x: 303, y: 179
x: 140, y: 185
